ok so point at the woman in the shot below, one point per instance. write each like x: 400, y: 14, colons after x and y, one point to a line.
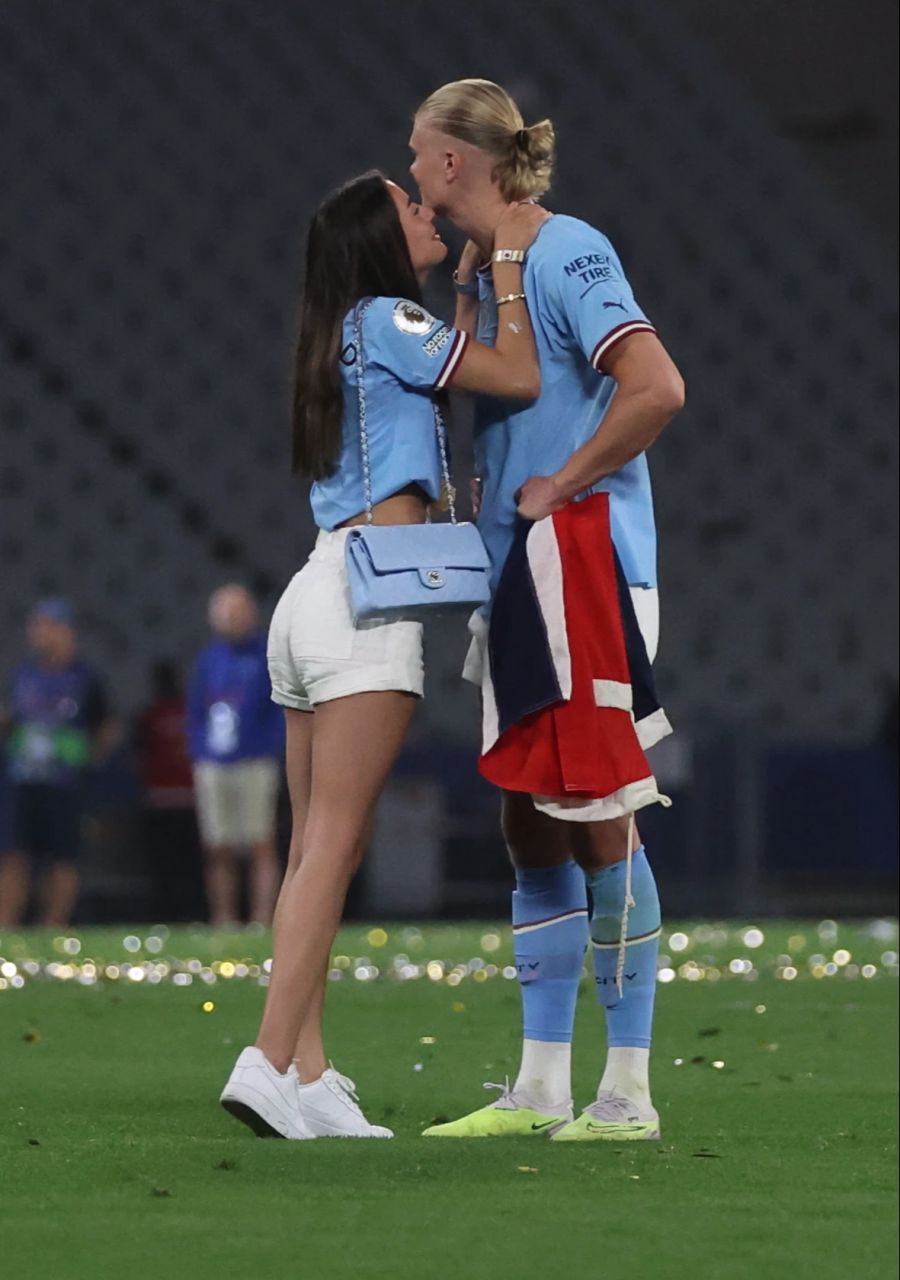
x: 349, y: 692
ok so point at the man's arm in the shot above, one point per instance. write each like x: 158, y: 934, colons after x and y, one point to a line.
x: 649, y: 392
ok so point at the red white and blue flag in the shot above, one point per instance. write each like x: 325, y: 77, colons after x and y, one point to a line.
x: 569, y: 703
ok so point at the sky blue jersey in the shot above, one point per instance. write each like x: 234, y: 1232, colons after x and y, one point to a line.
x: 581, y: 306
x: 408, y: 355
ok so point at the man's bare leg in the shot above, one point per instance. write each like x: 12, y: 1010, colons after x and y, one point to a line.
x: 15, y: 882
x: 263, y: 881
x: 60, y: 890
x: 221, y: 879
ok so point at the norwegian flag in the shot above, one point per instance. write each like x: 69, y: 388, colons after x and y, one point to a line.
x: 569, y: 703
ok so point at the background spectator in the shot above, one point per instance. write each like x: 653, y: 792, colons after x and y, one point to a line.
x: 236, y: 740
x: 168, y: 821
x: 57, y: 726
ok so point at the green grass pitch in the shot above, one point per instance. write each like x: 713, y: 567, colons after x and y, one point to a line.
x: 774, y: 1072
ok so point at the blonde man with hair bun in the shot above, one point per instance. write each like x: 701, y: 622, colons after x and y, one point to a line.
x: 483, y: 115
x: 608, y: 388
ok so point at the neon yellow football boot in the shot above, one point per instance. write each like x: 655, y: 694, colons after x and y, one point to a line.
x: 612, y: 1118
x: 505, y: 1118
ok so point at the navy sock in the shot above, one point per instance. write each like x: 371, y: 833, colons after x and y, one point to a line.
x: 550, y: 934
x: 629, y: 1016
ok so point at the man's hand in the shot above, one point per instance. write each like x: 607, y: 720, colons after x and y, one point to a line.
x: 539, y: 497
x: 475, y: 496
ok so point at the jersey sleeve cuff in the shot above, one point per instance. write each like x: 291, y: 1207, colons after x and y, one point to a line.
x: 451, y: 364
x: 614, y: 337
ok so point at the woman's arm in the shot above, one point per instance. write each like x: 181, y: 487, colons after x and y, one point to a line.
x: 509, y: 368
x: 466, y: 283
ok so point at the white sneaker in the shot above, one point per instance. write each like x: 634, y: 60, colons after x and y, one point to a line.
x: 330, y: 1109
x: 263, y: 1098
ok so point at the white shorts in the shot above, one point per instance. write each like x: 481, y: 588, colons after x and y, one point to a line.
x: 236, y: 803
x: 646, y: 611
x: 317, y: 654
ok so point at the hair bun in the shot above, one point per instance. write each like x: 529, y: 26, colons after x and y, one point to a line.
x: 484, y: 115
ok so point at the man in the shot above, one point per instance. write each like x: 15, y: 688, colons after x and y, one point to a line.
x: 56, y: 720
x: 608, y: 389
x: 235, y: 738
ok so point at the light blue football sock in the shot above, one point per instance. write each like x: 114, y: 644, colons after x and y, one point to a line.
x: 550, y: 934
x: 629, y: 1016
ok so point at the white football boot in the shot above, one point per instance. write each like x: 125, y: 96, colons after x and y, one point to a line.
x: 330, y: 1108
x: 263, y: 1098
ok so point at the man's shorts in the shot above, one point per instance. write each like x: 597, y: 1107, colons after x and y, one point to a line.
x: 46, y: 821
x: 236, y: 803
x: 317, y: 654
x: 646, y: 611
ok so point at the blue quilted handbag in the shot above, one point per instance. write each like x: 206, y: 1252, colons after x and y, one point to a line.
x: 412, y: 571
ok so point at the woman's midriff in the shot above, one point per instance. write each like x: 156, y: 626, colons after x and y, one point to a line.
x: 409, y: 506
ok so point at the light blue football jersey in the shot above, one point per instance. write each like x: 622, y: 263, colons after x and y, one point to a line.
x: 408, y: 355
x: 580, y: 305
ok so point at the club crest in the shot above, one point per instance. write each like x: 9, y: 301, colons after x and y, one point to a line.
x: 412, y: 319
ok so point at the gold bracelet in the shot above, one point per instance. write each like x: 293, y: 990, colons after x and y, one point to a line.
x: 510, y: 297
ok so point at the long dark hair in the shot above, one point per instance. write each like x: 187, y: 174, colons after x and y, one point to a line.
x: 355, y: 249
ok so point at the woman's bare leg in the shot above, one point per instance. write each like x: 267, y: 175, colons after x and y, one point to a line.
x: 355, y: 741
x: 310, y: 1058
x: 309, y: 1052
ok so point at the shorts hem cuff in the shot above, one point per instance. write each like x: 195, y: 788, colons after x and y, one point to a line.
x: 331, y: 690
x: 295, y: 704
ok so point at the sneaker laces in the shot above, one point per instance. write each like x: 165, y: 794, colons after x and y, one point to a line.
x: 506, y: 1101
x: 345, y: 1082
x: 347, y: 1089
x: 611, y: 1106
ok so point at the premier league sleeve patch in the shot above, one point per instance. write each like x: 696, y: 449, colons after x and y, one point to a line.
x: 409, y: 318
x: 419, y: 351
